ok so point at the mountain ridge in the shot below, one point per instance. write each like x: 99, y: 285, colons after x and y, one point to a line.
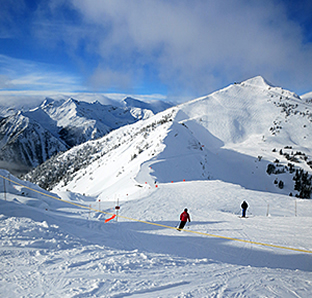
x: 231, y: 135
x: 67, y: 123
x: 109, y: 228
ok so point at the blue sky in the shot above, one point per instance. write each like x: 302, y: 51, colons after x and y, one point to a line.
x: 177, y: 48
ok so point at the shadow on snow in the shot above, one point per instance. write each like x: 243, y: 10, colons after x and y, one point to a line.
x: 135, y: 235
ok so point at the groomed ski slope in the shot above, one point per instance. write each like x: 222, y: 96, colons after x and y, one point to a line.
x: 50, y: 248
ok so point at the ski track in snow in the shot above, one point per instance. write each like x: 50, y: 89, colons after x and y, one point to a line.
x: 56, y: 254
x: 49, y: 248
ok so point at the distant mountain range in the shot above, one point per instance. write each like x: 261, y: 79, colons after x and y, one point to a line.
x: 251, y: 134
x: 30, y: 137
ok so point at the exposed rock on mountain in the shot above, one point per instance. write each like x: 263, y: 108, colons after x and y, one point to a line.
x: 28, y: 138
x: 232, y: 135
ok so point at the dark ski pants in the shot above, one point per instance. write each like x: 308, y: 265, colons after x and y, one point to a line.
x: 182, y: 224
x: 244, y: 213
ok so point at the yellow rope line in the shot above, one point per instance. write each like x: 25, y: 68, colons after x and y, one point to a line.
x: 161, y: 225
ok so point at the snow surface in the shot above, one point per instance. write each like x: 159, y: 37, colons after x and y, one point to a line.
x: 182, y: 157
x: 307, y: 97
x: 50, y: 248
x: 229, y: 136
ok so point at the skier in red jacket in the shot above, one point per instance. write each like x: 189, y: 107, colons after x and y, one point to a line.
x: 184, y: 217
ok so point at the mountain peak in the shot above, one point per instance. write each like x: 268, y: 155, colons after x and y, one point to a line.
x: 258, y: 81
x: 132, y: 102
x: 71, y: 100
x: 155, y: 106
x: 46, y: 102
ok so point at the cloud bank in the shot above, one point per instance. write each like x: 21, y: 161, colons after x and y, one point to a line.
x: 178, y: 46
x: 197, y: 44
x: 19, y: 74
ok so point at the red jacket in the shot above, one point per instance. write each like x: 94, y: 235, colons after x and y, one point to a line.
x: 185, y: 216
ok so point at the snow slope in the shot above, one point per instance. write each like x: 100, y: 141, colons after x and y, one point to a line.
x: 231, y: 135
x: 142, y: 108
x: 54, y: 249
x: 30, y: 137
x: 153, y: 169
x: 25, y: 143
x: 307, y: 97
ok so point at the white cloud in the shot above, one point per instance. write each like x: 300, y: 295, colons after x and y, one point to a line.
x: 190, y: 47
x: 19, y: 74
x: 189, y: 43
x: 33, y: 98
x: 110, y: 79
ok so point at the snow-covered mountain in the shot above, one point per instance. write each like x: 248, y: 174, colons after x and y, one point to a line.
x: 155, y: 106
x: 225, y: 146
x: 25, y: 143
x: 251, y: 134
x: 30, y: 137
x: 307, y: 97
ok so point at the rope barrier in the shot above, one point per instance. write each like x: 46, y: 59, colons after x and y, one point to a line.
x: 161, y: 225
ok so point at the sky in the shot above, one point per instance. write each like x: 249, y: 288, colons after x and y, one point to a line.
x: 177, y: 49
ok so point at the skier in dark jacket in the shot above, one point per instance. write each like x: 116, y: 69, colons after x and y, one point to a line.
x: 244, y: 206
x: 184, y: 217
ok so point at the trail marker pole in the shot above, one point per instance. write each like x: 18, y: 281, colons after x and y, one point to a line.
x: 295, y: 207
x: 267, y: 214
x: 117, y: 208
x: 4, y: 189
